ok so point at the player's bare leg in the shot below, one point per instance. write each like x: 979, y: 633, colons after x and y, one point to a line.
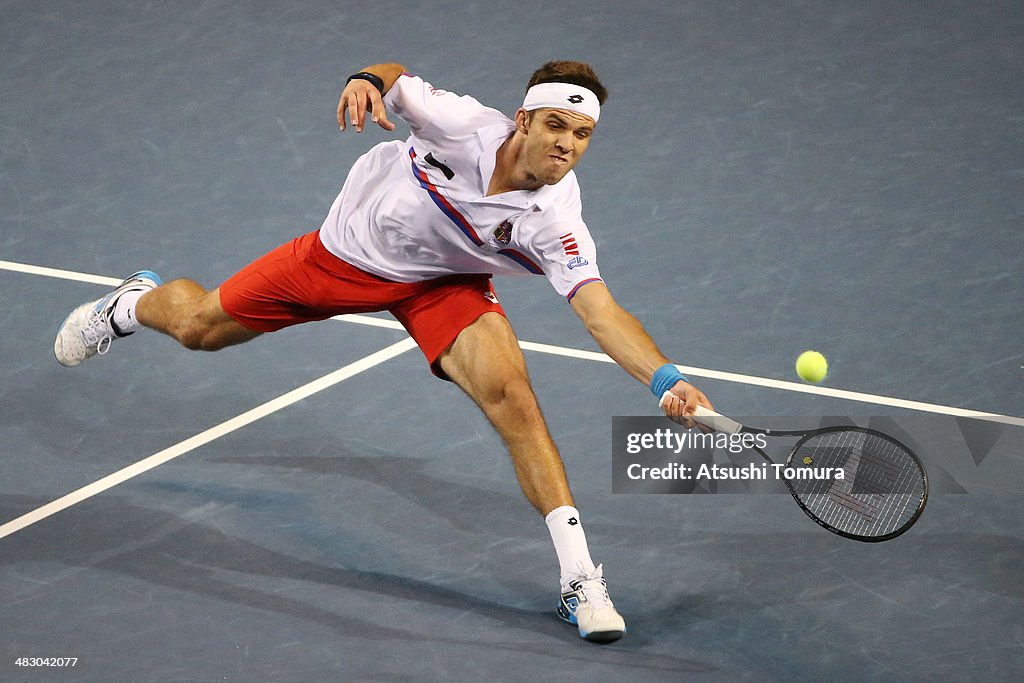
x: 487, y: 363
x: 181, y: 309
x: 186, y: 311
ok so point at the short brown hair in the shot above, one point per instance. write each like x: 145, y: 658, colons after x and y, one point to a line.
x: 577, y: 73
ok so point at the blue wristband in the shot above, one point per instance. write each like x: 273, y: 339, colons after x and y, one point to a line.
x: 665, y: 378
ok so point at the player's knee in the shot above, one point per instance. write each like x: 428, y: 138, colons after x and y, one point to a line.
x: 513, y: 397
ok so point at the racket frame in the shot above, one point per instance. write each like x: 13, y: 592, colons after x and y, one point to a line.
x: 719, y: 422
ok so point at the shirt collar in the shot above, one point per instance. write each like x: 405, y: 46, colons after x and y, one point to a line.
x: 491, y: 138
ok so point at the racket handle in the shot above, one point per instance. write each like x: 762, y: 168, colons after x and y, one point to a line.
x: 709, y: 418
x: 717, y: 421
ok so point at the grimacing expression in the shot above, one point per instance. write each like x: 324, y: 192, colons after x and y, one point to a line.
x: 555, y: 141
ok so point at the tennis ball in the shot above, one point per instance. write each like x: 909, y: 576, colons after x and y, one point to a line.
x: 811, y: 366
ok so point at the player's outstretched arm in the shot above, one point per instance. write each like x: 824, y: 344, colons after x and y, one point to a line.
x: 622, y: 337
x: 361, y: 96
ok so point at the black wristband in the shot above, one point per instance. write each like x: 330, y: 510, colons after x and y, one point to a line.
x: 374, y: 79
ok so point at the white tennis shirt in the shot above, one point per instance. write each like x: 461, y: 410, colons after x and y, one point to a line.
x: 417, y: 209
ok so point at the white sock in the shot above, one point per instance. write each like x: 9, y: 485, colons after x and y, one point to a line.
x: 124, y: 310
x: 570, y: 542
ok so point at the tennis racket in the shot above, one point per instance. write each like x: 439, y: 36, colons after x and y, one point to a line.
x: 882, y: 493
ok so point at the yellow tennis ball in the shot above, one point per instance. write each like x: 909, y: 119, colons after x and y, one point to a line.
x: 811, y: 366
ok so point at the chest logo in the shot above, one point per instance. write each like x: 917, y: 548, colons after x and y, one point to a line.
x: 503, y: 233
x: 448, y: 173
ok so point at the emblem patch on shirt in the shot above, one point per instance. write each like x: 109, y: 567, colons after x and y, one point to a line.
x: 503, y: 233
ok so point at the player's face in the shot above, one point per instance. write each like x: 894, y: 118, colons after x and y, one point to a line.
x: 555, y: 141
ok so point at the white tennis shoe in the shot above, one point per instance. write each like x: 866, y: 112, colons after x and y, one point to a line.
x: 585, y: 603
x: 90, y: 330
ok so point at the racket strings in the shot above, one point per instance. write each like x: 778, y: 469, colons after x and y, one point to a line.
x: 881, y: 489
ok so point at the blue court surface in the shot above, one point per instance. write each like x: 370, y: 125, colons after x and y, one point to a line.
x: 315, y: 506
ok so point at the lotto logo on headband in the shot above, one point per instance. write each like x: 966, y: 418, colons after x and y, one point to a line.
x: 575, y: 99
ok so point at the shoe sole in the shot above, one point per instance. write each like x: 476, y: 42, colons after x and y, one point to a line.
x: 603, y: 637
x: 600, y: 637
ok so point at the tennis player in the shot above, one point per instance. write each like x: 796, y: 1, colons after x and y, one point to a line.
x: 418, y: 229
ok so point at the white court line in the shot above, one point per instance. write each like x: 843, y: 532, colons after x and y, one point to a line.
x: 57, y: 272
x: 203, y: 438
x: 603, y: 358
x: 788, y: 386
x: 851, y: 395
x: 736, y: 377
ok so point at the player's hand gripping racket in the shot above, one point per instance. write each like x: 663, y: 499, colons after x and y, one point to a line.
x: 882, y: 493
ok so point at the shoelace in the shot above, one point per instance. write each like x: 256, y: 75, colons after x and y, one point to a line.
x: 97, y: 333
x: 594, y: 587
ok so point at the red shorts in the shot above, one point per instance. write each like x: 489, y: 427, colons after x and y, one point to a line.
x: 301, y: 281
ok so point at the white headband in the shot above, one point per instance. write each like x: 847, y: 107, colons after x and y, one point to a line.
x: 563, y: 96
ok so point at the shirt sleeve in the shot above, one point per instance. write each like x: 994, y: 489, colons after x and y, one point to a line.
x: 432, y: 111
x: 560, y: 242
x: 569, y: 258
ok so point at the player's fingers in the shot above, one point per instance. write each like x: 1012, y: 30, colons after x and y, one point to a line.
x: 671, y: 404
x: 675, y: 409
x: 663, y: 401
x: 342, y: 106
x: 384, y: 123
x: 684, y: 391
x: 360, y: 114
x: 691, y: 396
x: 379, y: 111
x: 685, y: 413
x: 695, y: 397
x: 353, y: 110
